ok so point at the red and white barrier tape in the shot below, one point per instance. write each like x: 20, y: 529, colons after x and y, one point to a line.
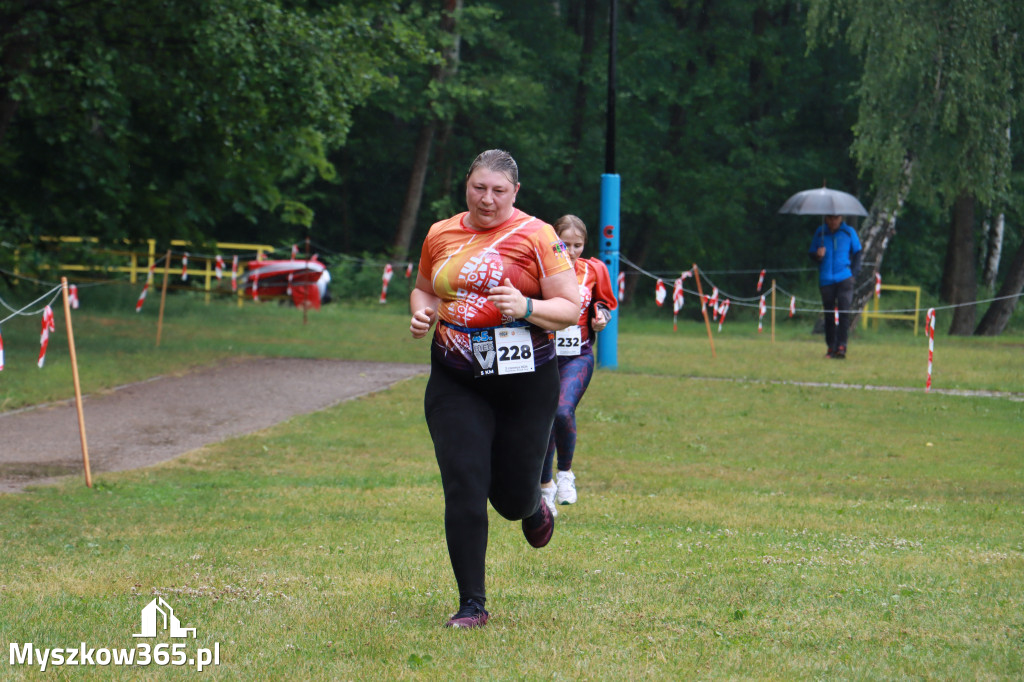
x: 929, y: 328
x: 145, y: 288
x: 44, y: 335
x: 385, y: 278
x: 659, y: 292
x: 677, y: 301
x: 724, y: 308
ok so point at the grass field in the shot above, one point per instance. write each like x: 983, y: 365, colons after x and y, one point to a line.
x: 734, y: 521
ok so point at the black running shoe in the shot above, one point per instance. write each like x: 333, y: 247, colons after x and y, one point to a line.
x: 470, y: 615
x: 539, y: 528
x: 840, y: 353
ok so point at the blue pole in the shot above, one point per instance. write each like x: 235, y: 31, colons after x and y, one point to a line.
x: 608, y: 340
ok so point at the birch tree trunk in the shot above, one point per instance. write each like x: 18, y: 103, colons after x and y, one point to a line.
x: 995, y: 319
x: 425, y: 141
x: 994, y: 231
x: 878, y: 229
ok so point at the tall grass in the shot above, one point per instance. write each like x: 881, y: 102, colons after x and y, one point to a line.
x: 745, y: 528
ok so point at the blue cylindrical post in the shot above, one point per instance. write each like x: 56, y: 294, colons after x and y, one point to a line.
x: 608, y: 340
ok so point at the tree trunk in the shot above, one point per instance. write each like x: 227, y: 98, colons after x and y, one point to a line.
x: 579, y: 108
x: 441, y: 159
x: 994, y: 231
x: 878, y: 229
x: 998, y: 315
x: 414, y: 192
x: 960, y: 277
x: 418, y: 176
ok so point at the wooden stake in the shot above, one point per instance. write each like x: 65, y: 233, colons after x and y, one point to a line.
x: 704, y: 309
x: 78, y: 386
x: 773, y: 311
x: 163, y: 298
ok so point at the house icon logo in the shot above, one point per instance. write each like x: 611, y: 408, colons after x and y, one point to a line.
x: 158, y: 614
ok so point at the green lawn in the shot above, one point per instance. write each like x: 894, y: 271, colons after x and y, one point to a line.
x: 734, y: 521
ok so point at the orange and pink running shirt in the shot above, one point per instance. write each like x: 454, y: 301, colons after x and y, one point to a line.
x: 463, y: 265
x: 595, y: 287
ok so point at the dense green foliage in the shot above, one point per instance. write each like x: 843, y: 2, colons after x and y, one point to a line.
x: 261, y: 120
x: 164, y: 119
x: 962, y: 58
x: 721, y: 115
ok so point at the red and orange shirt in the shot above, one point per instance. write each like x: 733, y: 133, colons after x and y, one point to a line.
x: 595, y: 287
x: 463, y: 264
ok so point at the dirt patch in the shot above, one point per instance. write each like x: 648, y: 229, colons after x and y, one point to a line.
x: 153, y: 421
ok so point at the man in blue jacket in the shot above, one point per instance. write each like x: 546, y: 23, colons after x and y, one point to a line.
x: 836, y: 249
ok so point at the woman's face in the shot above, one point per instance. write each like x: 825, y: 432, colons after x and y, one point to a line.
x: 574, y: 243
x: 490, y: 198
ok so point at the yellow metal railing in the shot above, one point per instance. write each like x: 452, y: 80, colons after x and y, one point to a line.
x: 910, y: 317
x: 137, y: 270
x: 133, y: 268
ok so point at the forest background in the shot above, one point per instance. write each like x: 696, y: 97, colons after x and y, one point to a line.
x: 352, y: 123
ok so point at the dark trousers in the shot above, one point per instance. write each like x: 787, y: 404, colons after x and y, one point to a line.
x: 839, y: 295
x: 490, y: 437
x: 575, y: 372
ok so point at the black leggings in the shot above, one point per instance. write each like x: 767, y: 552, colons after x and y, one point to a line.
x: 490, y: 437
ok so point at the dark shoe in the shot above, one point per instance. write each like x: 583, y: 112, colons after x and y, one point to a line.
x: 538, y: 532
x: 830, y: 353
x: 840, y: 353
x: 471, y: 615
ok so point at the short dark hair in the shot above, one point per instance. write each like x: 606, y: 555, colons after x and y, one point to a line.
x: 497, y: 160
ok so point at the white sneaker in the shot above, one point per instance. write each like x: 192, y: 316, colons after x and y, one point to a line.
x: 566, y: 484
x: 548, y: 494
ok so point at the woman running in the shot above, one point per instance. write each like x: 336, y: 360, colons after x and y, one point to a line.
x: 575, y: 359
x: 497, y: 281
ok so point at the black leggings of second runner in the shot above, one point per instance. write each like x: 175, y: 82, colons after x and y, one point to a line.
x: 490, y: 437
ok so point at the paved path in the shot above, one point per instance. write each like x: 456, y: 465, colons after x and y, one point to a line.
x: 156, y: 420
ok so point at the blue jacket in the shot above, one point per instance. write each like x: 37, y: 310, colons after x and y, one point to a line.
x: 842, y: 254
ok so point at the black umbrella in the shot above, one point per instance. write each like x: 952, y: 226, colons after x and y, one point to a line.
x: 823, y: 201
